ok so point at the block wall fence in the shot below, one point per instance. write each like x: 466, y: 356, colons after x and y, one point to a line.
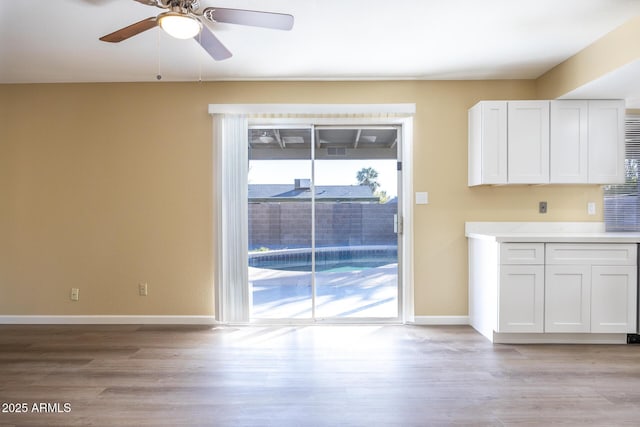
x: 288, y: 225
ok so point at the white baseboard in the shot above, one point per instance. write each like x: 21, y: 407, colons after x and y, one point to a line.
x: 441, y: 320
x: 174, y: 320
x: 558, y: 338
x: 107, y: 320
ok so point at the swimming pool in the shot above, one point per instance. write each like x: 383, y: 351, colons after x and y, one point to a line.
x: 327, y: 259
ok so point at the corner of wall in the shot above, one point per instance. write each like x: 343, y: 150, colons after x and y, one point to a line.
x: 612, y: 51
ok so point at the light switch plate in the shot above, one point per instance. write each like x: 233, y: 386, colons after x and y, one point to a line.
x: 422, y: 198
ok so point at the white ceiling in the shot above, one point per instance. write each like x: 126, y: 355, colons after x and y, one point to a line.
x: 57, y: 40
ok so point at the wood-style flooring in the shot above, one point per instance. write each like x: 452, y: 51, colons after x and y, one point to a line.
x: 308, y: 376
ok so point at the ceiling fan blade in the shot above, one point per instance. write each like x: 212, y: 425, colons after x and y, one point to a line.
x: 276, y: 21
x: 130, y: 31
x: 150, y: 2
x: 212, y: 45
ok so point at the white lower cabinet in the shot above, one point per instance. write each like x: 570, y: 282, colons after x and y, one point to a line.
x: 521, y: 287
x: 613, y: 299
x: 590, y: 288
x: 567, y: 294
x: 562, y: 292
x: 521, y: 306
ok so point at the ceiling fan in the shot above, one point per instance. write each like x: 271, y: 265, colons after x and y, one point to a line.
x: 183, y: 20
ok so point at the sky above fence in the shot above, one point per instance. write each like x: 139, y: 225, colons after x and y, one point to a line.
x: 327, y: 172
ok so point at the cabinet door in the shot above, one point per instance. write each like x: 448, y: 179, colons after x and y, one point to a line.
x: 613, y: 299
x: 568, y: 145
x: 528, y: 142
x: 488, y: 143
x: 521, y: 307
x: 567, y: 298
x: 606, y: 142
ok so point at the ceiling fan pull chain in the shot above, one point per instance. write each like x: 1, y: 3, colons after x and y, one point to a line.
x: 158, y: 76
x: 199, y: 60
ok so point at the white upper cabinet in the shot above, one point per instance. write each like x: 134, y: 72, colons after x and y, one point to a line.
x: 539, y: 142
x: 528, y: 142
x: 587, y: 142
x: 488, y: 143
x: 569, y: 155
x: 606, y: 142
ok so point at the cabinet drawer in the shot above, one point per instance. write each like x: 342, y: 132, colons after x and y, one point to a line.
x: 522, y: 253
x: 588, y: 253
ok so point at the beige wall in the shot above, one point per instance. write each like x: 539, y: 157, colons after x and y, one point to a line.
x: 106, y: 185
x: 616, y: 49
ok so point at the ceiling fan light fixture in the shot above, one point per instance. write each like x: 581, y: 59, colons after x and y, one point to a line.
x: 179, y: 25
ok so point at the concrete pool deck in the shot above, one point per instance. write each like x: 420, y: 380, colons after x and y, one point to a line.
x: 281, y: 294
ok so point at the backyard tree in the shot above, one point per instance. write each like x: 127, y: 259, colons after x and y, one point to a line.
x: 368, y: 177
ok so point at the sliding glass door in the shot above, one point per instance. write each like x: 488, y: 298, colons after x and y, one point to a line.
x: 323, y: 228
x: 356, y: 244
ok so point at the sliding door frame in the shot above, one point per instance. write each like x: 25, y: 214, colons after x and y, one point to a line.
x: 351, y: 115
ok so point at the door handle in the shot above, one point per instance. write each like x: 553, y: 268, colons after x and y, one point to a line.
x: 397, y: 224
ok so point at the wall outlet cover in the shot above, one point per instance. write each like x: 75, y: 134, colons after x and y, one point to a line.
x: 542, y: 207
x: 143, y: 289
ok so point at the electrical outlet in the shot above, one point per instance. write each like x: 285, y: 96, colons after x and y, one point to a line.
x: 143, y: 289
x: 542, y: 207
x: 75, y: 294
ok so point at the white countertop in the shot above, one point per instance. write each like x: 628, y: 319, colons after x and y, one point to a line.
x: 547, y: 232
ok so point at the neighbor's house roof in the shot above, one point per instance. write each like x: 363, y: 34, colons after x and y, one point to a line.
x: 324, y: 193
